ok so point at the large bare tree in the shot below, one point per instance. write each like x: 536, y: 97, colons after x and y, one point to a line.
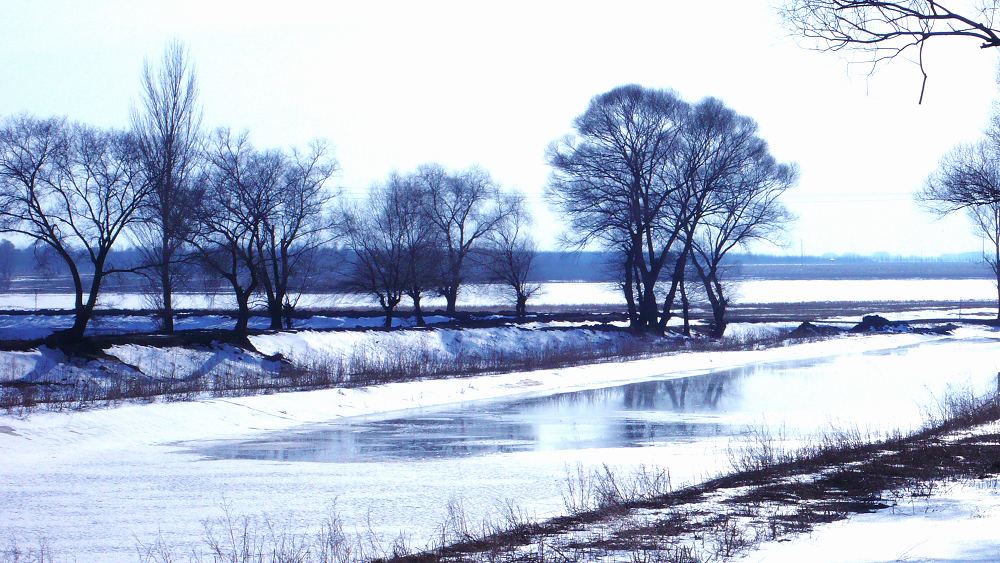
x: 237, y: 187
x: 882, y: 31
x: 647, y: 174
x: 461, y: 208
x: 73, y: 189
x: 167, y: 125
x: 614, y: 182
x: 727, y: 176
x: 379, y: 233
x: 296, y: 221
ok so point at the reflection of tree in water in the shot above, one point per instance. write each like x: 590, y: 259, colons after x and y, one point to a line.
x: 678, y: 397
x: 581, y: 419
x: 640, y: 395
x: 704, y: 392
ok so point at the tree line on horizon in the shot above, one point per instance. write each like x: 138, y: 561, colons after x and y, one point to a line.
x: 666, y: 186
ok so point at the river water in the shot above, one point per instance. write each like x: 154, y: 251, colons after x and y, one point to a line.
x: 871, y: 392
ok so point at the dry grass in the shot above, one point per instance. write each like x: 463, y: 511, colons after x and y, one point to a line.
x: 774, y: 491
x: 125, y: 383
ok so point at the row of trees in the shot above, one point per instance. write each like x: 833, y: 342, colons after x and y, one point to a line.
x: 667, y: 185
x: 251, y: 216
x: 670, y: 186
x: 418, y: 232
x: 213, y: 202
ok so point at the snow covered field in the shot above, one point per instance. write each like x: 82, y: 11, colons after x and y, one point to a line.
x: 582, y: 294
x: 576, y: 293
x: 95, y: 482
x: 558, y: 293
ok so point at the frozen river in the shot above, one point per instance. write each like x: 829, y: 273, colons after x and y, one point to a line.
x: 93, y: 483
x: 874, y: 391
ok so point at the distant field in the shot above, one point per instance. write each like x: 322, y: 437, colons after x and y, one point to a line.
x: 570, y: 294
x: 564, y: 267
x: 841, y: 270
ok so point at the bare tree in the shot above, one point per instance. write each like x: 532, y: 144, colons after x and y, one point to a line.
x: 986, y: 219
x: 168, y: 128
x: 968, y: 179
x: 461, y: 208
x: 745, y: 208
x: 715, y: 143
x: 380, y: 233
x: 614, y: 181
x: 295, y: 222
x: 423, y: 252
x: 237, y: 188
x: 74, y: 189
x: 510, y: 253
x: 885, y: 30
x: 8, y: 265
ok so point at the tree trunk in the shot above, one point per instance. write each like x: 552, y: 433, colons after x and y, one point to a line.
x: 718, y: 320
x: 83, y: 311
x: 648, y: 310
x: 275, y: 310
x: 388, y: 316
x: 80, y: 317
x: 718, y: 302
x: 996, y: 268
x: 242, y: 314
x: 998, y: 298
x: 273, y: 296
x: 633, y: 317
x: 166, y: 285
x: 685, y: 309
x: 716, y: 297
x: 80, y: 320
x: 680, y: 266
x: 418, y: 313
x: 522, y: 305
x: 451, y: 299
x: 287, y: 309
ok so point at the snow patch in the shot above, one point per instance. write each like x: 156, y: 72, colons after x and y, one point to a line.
x: 183, y: 363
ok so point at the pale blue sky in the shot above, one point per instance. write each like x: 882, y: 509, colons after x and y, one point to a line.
x: 395, y: 84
